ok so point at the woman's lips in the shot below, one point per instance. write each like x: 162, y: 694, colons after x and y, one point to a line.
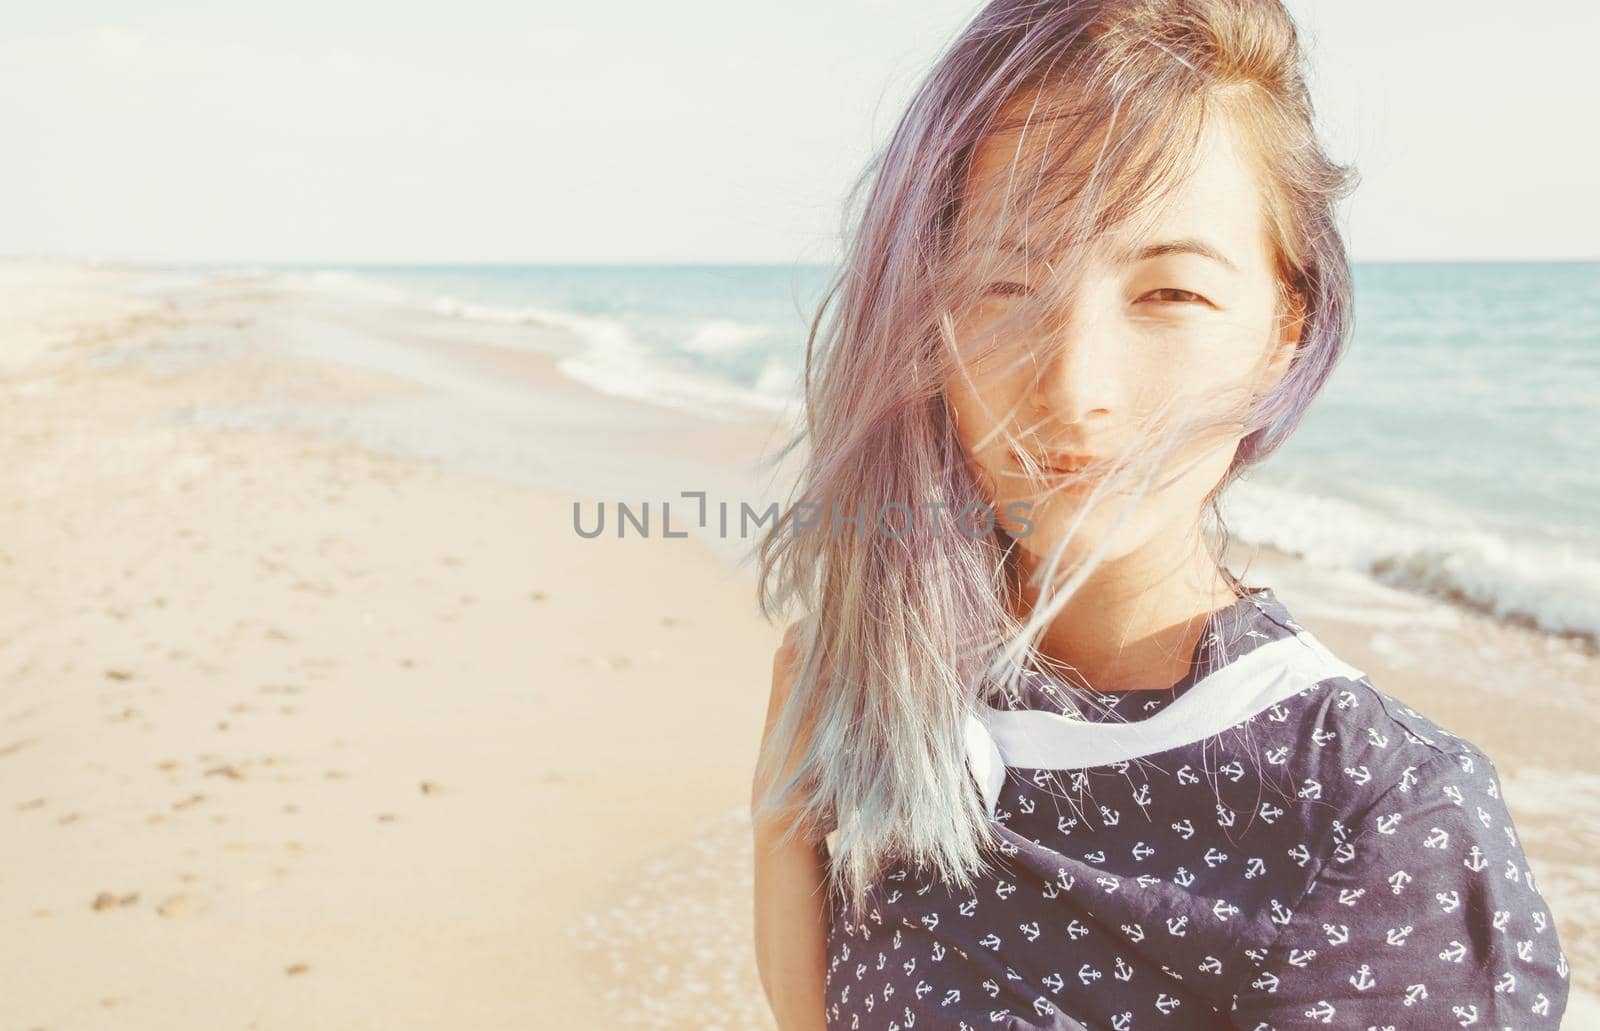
x: 1074, y: 481
x: 1060, y: 462
x: 1067, y: 472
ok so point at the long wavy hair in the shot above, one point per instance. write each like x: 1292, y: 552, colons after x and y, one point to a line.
x: 907, y: 622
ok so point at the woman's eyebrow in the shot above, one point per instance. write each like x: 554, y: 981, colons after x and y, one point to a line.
x: 1189, y: 245
x: 1144, y: 252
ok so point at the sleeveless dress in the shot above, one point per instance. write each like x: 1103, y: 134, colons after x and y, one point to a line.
x: 1272, y: 843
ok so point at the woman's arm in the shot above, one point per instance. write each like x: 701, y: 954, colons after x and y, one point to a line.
x: 791, y: 922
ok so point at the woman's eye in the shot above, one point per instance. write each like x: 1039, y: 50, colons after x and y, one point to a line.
x: 1182, y: 296
x: 1006, y: 289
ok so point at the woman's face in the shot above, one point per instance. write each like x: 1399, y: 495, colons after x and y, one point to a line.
x: 1183, y: 315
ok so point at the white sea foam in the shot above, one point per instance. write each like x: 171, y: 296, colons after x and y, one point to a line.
x: 1545, y: 582
x: 611, y: 360
x: 778, y: 379
x: 722, y: 336
x: 615, y: 364
x: 522, y: 314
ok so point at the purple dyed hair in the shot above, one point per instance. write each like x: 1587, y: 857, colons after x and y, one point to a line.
x: 900, y: 636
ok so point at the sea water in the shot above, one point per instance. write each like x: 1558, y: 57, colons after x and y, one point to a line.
x: 1455, y: 451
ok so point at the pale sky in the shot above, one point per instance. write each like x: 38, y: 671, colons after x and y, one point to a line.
x: 345, y: 131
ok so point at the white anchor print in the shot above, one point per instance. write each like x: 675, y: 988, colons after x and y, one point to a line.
x: 1322, y: 1012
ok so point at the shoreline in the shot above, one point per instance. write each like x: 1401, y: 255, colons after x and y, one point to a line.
x: 325, y: 542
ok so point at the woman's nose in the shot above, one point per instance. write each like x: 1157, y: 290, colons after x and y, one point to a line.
x: 1079, y: 372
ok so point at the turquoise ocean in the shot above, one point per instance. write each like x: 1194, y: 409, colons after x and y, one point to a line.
x: 1455, y: 453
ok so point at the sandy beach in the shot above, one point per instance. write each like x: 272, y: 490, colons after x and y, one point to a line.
x: 317, y: 712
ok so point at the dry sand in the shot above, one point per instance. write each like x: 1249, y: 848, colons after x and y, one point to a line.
x: 316, y: 712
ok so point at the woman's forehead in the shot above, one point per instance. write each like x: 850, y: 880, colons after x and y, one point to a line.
x: 1009, y: 206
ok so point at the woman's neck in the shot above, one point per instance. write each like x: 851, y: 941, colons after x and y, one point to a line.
x: 1134, y: 623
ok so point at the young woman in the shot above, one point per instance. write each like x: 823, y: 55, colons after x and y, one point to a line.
x: 1034, y: 757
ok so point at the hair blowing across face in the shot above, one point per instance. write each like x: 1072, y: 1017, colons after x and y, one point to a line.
x: 899, y: 634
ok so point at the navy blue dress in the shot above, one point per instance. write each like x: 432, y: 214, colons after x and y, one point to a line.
x: 1273, y: 843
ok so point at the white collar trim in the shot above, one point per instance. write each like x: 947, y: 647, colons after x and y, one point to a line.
x: 1037, y: 739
